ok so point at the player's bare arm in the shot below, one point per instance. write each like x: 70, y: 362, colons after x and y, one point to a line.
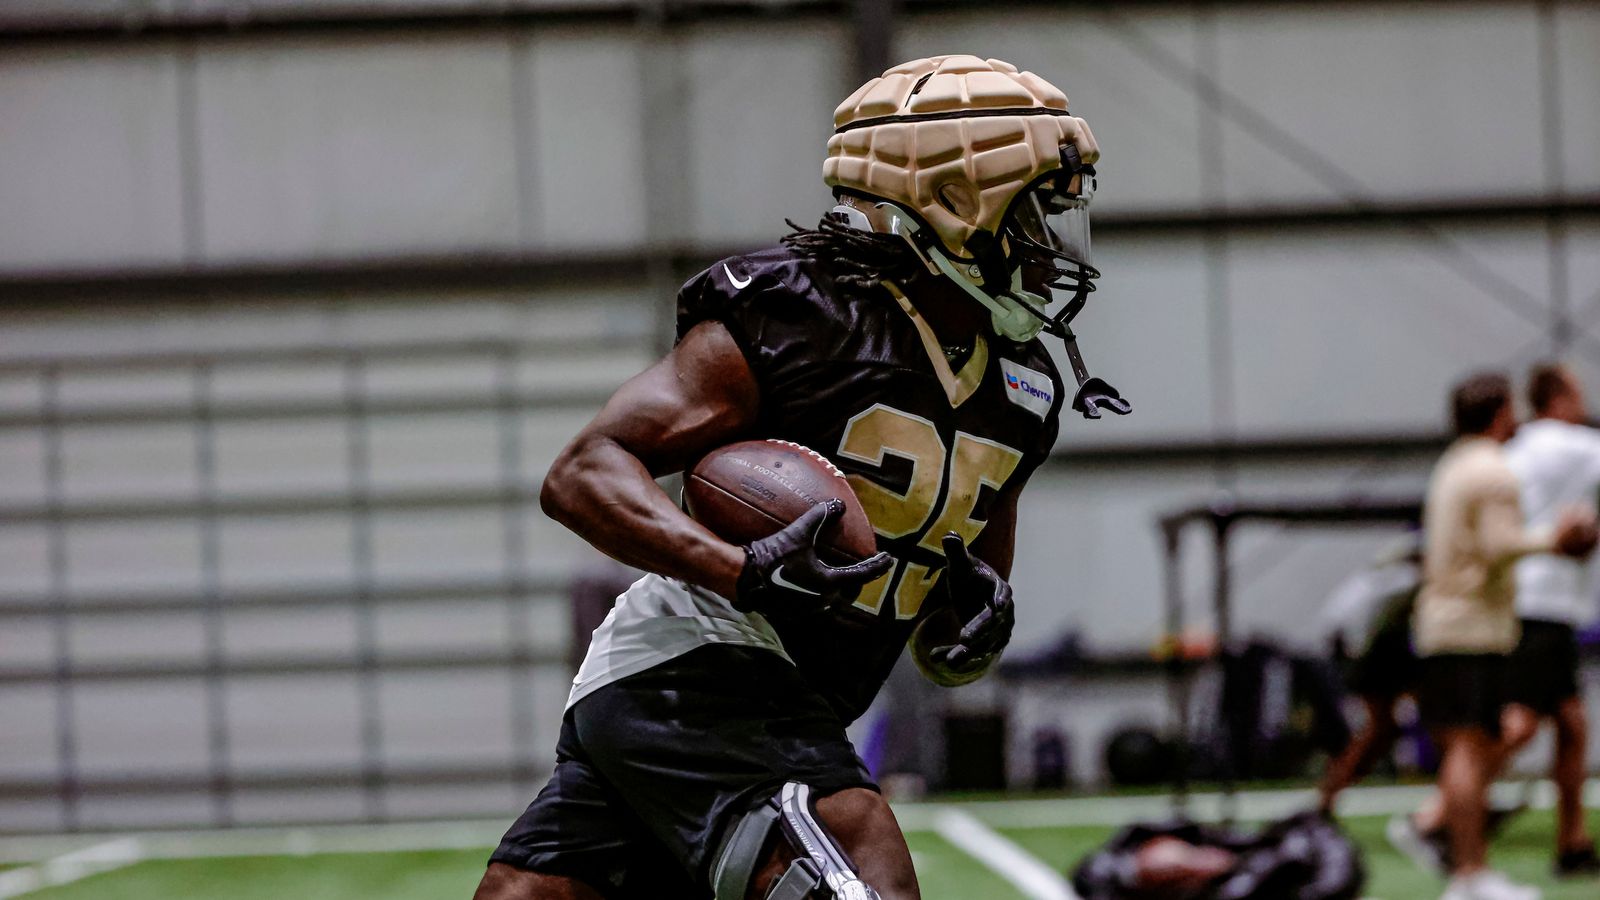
x: 699, y: 396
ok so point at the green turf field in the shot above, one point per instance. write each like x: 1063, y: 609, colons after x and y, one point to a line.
x: 945, y: 870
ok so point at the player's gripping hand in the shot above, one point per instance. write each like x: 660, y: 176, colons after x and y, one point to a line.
x: 982, y: 600
x: 783, y: 572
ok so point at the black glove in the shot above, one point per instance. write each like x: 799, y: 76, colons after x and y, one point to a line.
x: 783, y: 572
x: 981, y: 599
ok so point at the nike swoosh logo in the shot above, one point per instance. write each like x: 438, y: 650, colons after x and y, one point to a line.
x: 737, y: 284
x: 780, y: 581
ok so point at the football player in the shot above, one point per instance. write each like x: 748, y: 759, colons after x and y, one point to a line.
x: 703, y: 750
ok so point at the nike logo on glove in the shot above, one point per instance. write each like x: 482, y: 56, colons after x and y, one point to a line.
x: 737, y: 284
x: 780, y: 581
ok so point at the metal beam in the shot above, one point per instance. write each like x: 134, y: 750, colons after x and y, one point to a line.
x: 262, y: 779
x: 285, y: 666
x: 306, y: 596
x: 633, y: 268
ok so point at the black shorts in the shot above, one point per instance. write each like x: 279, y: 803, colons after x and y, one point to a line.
x: 1544, y: 667
x: 652, y: 768
x: 1462, y: 691
x: 1388, y: 667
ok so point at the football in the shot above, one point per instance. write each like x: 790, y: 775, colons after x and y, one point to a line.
x: 746, y: 491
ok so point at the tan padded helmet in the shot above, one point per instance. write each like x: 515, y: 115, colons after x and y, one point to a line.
x: 953, y: 139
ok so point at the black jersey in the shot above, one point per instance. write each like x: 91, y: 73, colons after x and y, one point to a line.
x: 863, y: 381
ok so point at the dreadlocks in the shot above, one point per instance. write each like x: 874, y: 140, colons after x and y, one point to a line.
x: 858, y: 260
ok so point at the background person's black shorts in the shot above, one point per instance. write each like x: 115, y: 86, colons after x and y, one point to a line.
x: 650, y: 769
x: 1462, y: 691
x: 1544, y: 667
x: 1388, y: 667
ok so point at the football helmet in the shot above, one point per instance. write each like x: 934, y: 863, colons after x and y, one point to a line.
x: 987, y: 175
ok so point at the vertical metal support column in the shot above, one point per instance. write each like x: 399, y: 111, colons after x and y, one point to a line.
x: 664, y: 118
x: 359, y: 461
x: 1214, y: 241
x: 1177, y: 678
x: 513, y: 531
x: 69, y: 788
x: 216, y: 687
x: 1222, y: 525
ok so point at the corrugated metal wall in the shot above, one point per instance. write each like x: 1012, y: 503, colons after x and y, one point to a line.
x: 1316, y: 217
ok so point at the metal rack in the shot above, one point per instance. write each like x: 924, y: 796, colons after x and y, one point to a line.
x: 1222, y: 517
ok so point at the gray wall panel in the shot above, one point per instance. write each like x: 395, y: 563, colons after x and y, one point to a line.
x: 1413, y: 100
x: 1361, y: 330
x: 283, y: 456
x: 409, y: 546
x: 294, y: 721
x: 149, y: 461
x: 1578, y: 54
x: 588, y: 150
x: 293, y: 549
x: 336, y: 148
x: 24, y: 559
x: 447, y: 624
x: 760, y: 107
x: 277, y: 633
x: 436, y: 450
x: 22, y: 467
x: 177, y: 637
x: 447, y: 716
x: 127, y: 556
x: 1146, y: 330
x: 29, y: 712
x: 140, y: 725
x: 1145, y: 121
x: 91, y: 150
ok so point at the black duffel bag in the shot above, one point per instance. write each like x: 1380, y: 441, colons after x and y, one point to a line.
x: 1303, y: 857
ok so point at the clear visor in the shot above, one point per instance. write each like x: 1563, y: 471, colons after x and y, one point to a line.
x: 1058, y: 219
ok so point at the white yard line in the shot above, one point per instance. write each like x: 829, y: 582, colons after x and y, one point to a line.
x: 485, y: 833
x: 70, y: 867
x: 1003, y: 857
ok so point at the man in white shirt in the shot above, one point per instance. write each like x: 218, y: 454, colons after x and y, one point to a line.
x: 1556, y: 458
x: 1465, y: 623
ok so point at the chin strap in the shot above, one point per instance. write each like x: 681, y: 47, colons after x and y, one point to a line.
x: 1018, y: 315
x: 1093, y: 393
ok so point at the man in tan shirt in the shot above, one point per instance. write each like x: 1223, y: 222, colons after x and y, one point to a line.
x: 1466, y: 623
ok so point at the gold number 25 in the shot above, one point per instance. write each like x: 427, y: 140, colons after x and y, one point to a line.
x: 971, y: 463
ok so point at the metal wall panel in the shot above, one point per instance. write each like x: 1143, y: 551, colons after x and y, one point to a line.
x: 1147, y: 331
x: 293, y: 549
x: 123, y: 556
x: 1408, y: 100
x: 759, y: 106
x: 332, y: 148
x: 92, y: 159
x: 289, y: 721
x: 587, y: 143
x: 29, y: 712
x: 136, y: 724
x: 1145, y: 120
x: 24, y: 559
x: 447, y: 716
x: 1578, y: 57
x: 1365, y: 330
